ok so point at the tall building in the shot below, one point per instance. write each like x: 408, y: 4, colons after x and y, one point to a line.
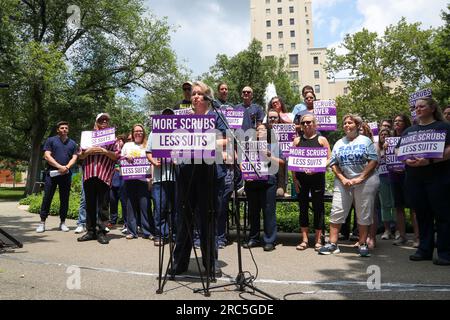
x: 285, y: 29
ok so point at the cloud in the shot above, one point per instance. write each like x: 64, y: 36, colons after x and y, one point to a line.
x: 334, y: 24
x: 378, y: 14
x: 205, y: 29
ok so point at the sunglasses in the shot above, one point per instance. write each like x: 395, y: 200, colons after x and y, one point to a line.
x: 305, y: 122
x: 187, y: 89
x: 248, y: 92
x: 101, y: 120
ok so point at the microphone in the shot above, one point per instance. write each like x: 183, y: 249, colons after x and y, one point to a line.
x: 214, y: 102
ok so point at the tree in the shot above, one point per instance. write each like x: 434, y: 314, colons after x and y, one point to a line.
x: 437, y: 57
x: 58, y: 71
x: 385, y: 69
x: 249, y: 68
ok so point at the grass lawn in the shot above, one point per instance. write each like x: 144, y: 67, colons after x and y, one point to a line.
x: 11, y: 194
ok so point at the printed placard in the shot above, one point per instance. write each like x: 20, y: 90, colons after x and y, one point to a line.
x: 303, y: 159
x: 140, y: 168
x: 422, y: 144
x: 285, y: 134
x: 234, y: 117
x: 382, y: 167
x: 183, y: 112
x: 425, y: 93
x: 325, y: 113
x: 392, y: 162
x: 188, y: 136
x: 98, y: 138
x: 374, y: 128
x: 255, y: 151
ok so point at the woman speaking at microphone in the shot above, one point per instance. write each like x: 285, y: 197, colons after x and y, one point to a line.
x: 199, y: 188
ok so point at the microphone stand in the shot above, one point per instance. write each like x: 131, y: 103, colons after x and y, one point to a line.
x: 241, y: 282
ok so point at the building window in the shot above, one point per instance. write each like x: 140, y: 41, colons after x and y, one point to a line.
x: 316, y: 74
x: 294, y: 75
x: 291, y: 21
x: 278, y: 0
x: 267, y: 1
x: 307, y: 22
x: 317, y: 88
x: 268, y: 35
x: 292, y: 33
x: 306, y: 9
x: 293, y: 45
x: 316, y: 60
x: 267, y: 12
x: 280, y: 34
x: 293, y: 60
x: 280, y: 46
x: 307, y: 31
x: 308, y: 41
x: 291, y: 9
x: 269, y: 48
x: 280, y: 22
x: 268, y: 23
x: 280, y: 11
x: 346, y: 90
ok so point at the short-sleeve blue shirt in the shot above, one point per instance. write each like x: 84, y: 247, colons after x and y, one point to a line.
x: 252, y: 114
x: 62, y: 152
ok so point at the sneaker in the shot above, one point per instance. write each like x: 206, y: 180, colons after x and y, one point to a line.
x: 397, y: 235
x: 363, y: 250
x: 400, y: 241
x: 124, y: 230
x: 386, y: 235
x: 329, y: 248
x: 63, y: 227
x: 80, y: 229
x: 41, y: 227
x: 416, y: 243
x: 106, y: 229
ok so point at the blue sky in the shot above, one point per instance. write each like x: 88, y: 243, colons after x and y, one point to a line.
x: 205, y: 28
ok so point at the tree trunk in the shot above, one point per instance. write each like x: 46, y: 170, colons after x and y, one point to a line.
x: 37, y: 133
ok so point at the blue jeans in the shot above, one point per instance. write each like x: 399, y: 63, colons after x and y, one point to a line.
x: 82, y: 209
x: 138, y: 202
x: 163, y: 194
x: 117, y: 194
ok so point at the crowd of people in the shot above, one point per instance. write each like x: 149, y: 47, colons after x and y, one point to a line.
x: 188, y: 203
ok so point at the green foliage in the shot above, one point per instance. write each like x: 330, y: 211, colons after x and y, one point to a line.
x: 58, y: 72
x: 249, y: 68
x: 386, y: 69
x: 11, y: 194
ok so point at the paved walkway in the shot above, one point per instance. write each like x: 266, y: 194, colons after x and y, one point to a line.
x: 53, y: 265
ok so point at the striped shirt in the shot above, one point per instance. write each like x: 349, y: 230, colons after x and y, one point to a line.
x: 101, y: 166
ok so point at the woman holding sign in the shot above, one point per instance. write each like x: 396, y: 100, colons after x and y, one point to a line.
x: 309, y: 182
x: 353, y: 161
x: 138, y: 199
x: 98, y: 169
x: 428, y: 179
x: 199, y: 189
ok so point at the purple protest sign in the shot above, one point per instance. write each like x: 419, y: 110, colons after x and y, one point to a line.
x: 392, y: 162
x: 285, y: 134
x: 325, y: 113
x: 138, y: 169
x: 422, y: 144
x: 184, y: 136
x: 382, y: 167
x: 303, y: 159
x: 234, y: 117
x: 98, y: 138
x: 425, y: 93
x: 255, y: 151
x: 374, y: 128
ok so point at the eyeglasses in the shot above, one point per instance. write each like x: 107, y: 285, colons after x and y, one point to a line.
x: 305, y: 122
x: 309, y: 98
